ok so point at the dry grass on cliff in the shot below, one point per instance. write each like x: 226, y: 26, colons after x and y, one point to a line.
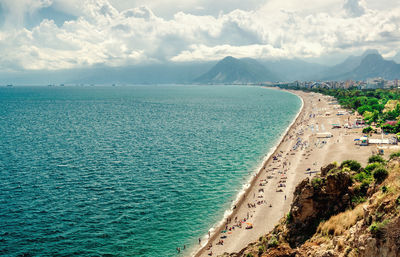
x: 337, y: 225
x: 393, y: 179
x: 341, y: 222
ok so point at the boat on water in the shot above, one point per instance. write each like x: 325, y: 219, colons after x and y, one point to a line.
x: 10, y: 85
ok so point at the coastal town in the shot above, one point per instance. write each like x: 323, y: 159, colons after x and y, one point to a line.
x: 372, y: 83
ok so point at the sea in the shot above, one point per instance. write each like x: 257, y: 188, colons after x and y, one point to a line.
x: 135, y: 170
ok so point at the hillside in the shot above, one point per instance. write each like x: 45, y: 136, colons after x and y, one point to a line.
x: 237, y: 71
x: 347, y: 210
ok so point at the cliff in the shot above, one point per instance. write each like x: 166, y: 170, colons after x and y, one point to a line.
x: 347, y: 210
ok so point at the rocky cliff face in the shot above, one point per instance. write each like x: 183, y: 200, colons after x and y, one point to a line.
x: 328, y: 219
x: 314, y: 201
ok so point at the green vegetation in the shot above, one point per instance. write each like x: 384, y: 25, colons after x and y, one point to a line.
x: 273, y: 242
x: 396, y: 154
x: 261, y: 250
x: 289, y: 218
x: 316, y: 182
x: 351, y: 164
x: 380, y: 174
x: 370, y: 167
x: 374, y: 172
x: 367, y: 130
x: 363, y: 177
x: 377, y: 228
x: 358, y: 199
x: 376, y: 158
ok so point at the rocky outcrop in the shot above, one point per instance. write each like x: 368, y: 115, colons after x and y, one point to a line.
x: 317, y: 200
x: 327, y: 168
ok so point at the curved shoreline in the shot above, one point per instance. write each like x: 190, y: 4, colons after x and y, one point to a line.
x: 246, y: 188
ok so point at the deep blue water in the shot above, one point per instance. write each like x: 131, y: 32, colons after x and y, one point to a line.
x: 127, y: 171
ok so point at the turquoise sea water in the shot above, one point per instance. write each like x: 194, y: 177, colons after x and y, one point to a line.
x: 127, y: 171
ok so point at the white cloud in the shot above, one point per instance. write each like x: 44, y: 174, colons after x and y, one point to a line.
x: 110, y: 33
x: 354, y: 8
x: 16, y: 10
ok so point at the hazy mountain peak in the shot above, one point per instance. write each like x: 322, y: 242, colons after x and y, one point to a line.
x: 233, y: 70
x: 396, y: 58
x: 372, y: 57
x: 370, y: 51
x: 229, y: 58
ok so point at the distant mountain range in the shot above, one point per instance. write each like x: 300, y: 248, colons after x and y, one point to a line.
x: 369, y: 65
x: 373, y: 65
x: 237, y: 71
x: 348, y: 65
x: 228, y: 70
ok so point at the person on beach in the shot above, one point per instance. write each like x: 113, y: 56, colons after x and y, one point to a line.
x: 199, y: 240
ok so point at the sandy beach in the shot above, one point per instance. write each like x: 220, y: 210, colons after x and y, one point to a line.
x: 300, y: 154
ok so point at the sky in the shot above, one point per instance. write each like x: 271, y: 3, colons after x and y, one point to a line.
x: 65, y: 34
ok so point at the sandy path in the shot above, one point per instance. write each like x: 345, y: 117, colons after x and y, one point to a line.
x: 299, y: 150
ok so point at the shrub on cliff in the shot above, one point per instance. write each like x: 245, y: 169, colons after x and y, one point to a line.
x: 261, y: 250
x: 352, y: 164
x: 316, y: 183
x: 273, y: 242
x: 396, y: 154
x: 289, y: 218
x: 363, y: 177
x: 370, y: 167
x: 380, y: 174
x: 376, y: 158
x: 377, y: 229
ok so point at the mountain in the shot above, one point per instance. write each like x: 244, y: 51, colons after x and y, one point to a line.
x: 232, y: 70
x: 348, y: 65
x: 146, y: 74
x: 294, y: 69
x: 229, y: 70
x: 396, y: 58
x: 372, y: 66
x: 139, y: 74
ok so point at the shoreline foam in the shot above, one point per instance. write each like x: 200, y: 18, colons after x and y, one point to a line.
x: 247, y: 187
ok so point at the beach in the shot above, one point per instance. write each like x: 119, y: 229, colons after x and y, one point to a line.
x: 309, y: 143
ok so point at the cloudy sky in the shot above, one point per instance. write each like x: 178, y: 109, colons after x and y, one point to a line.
x: 63, y: 34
